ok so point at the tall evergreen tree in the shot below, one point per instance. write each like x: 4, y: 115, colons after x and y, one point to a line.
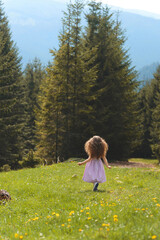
x: 145, y: 104
x: 33, y: 76
x: 115, y: 87
x: 11, y: 96
x: 155, y: 124
x: 66, y: 104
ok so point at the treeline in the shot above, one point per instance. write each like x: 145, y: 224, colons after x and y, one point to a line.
x: 90, y: 88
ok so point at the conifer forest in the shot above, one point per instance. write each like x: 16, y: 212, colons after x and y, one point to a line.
x: 90, y: 88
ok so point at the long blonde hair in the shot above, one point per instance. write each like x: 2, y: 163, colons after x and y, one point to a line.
x: 96, y: 147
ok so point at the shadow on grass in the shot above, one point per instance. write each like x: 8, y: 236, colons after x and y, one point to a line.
x: 89, y: 191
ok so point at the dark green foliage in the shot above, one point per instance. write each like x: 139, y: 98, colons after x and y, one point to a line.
x: 29, y: 160
x: 32, y: 78
x: 91, y: 88
x: 145, y: 105
x: 155, y: 124
x: 66, y: 110
x: 115, y: 88
x: 149, y: 120
x: 11, y: 97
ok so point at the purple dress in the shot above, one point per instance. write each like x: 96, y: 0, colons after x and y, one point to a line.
x: 94, y: 172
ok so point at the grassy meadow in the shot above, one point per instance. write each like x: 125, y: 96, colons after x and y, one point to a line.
x: 52, y: 202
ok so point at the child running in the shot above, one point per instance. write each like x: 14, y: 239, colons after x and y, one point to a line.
x: 96, y: 148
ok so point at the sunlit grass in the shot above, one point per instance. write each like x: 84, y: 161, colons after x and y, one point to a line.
x: 142, y: 160
x: 53, y: 202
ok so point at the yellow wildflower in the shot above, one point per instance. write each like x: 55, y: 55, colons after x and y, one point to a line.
x: 105, y: 224
x: 80, y: 230
x: 70, y: 214
x: 154, y: 237
x: 87, y: 208
x: 16, y: 235
x: 69, y: 220
x: 115, y: 219
x: 89, y: 218
x: 57, y: 214
x: 21, y: 237
x: 62, y: 225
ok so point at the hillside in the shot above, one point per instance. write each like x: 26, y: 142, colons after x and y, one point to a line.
x: 147, y: 72
x: 36, y: 28
x: 53, y: 202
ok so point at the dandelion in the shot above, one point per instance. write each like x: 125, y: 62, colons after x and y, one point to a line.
x: 69, y: 220
x: 21, y: 237
x: 53, y: 213
x: 26, y: 234
x: 62, y: 225
x: 57, y: 214
x: 87, y: 208
x: 108, y: 229
x: 154, y: 237
x: 16, y: 235
x: 89, y: 218
x: 80, y: 230
x: 71, y: 213
x: 115, y: 218
x: 87, y: 213
x: 105, y: 224
x: 81, y: 210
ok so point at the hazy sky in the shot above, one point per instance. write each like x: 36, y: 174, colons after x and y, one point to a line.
x: 149, y: 6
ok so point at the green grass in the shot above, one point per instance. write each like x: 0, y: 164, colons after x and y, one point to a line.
x: 53, y: 202
x: 142, y: 160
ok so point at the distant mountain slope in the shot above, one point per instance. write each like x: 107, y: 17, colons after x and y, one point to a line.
x: 35, y: 29
x: 143, y: 38
x: 146, y: 73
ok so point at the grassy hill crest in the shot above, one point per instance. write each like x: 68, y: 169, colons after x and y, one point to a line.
x: 53, y: 202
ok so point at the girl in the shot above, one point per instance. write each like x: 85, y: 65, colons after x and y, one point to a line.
x: 96, y: 148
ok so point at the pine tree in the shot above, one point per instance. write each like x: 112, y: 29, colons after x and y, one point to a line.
x: 11, y: 97
x: 145, y: 104
x: 116, y: 85
x: 155, y: 120
x: 33, y: 76
x: 64, y: 118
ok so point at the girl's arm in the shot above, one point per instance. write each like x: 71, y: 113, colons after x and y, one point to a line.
x: 106, y: 162
x: 87, y: 160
